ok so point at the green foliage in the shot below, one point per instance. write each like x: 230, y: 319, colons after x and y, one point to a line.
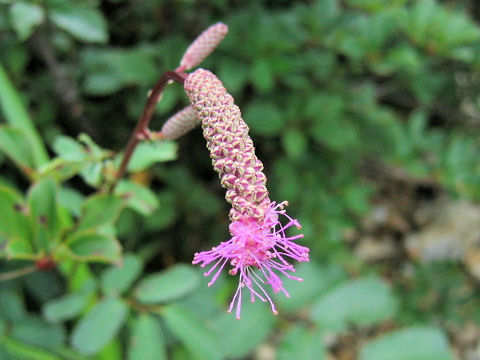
x: 338, y: 95
x: 194, y: 333
x: 167, y: 286
x: 99, y: 326
x: 25, y: 18
x: 147, y: 341
x: 358, y: 302
x: 300, y: 343
x: 410, y: 343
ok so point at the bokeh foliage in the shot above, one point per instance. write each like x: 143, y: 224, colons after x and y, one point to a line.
x: 333, y: 92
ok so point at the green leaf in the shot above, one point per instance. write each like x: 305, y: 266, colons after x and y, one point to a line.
x: 234, y: 74
x: 17, y: 116
x: 71, y: 199
x: 417, y: 124
x: 139, y: 198
x: 36, y: 331
x: 64, y: 308
x: 295, y: 143
x: 239, y: 338
x: 414, y: 343
x: 12, y: 305
x: 17, y: 146
x: 262, y: 76
x: 92, y: 174
x: 118, y: 279
x: 42, y: 200
x: 109, y: 70
x: 192, y: 332
x: 100, y: 210
x: 148, y: 153
x: 20, y: 249
x: 21, y: 351
x: 69, y: 149
x: 88, y: 246
x: 316, y: 280
x: 360, y: 302
x: 147, y: 341
x: 168, y: 285
x: 264, y: 118
x: 25, y: 18
x: 86, y: 24
x: 14, y: 224
x: 301, y: 343
x: 99, y: 326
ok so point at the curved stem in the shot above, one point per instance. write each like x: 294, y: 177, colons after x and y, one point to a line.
x: 17, y: 273
x: 144, y: 121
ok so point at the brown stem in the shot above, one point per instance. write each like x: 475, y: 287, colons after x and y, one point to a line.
x: 144, y: 121
x: 17, y: 273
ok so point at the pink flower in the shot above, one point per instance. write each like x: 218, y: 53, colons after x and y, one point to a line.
x: 259, y: 249
x: 258, y: 253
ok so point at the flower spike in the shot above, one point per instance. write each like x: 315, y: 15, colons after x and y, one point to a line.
x: 179, y: 124
x: 259, y: 249
x: 203, y: 46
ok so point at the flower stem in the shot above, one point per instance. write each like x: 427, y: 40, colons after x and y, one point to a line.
x: 144, y: 121
x: 17, y: 273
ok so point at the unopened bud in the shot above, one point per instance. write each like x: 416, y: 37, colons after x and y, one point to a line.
x: 203, y: 46
x: 180, y: 123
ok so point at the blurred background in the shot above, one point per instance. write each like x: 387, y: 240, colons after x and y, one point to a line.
x: 366, y: 116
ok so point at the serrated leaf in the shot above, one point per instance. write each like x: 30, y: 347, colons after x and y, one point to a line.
x: 413, y: 343
x: 88, y: 246
x: 64, y: 308
x: 167, y: 285
x: 360, y: 302
x: 139, y: 198
x: 71, y: 199
x: 69, y: 149
x: 25, y: 18
x: 192, y: 332
x: 148, y: 153
x: 99, y: 326
x: 100, y: 210
x: 86, y: 24
x: 147, y: 340
x: 118, y: 279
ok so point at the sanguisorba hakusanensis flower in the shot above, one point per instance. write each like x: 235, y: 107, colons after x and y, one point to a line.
x: 259, y: 249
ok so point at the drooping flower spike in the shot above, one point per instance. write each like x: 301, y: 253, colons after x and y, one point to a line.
x: 259, y: 249
x: 203, y: 46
